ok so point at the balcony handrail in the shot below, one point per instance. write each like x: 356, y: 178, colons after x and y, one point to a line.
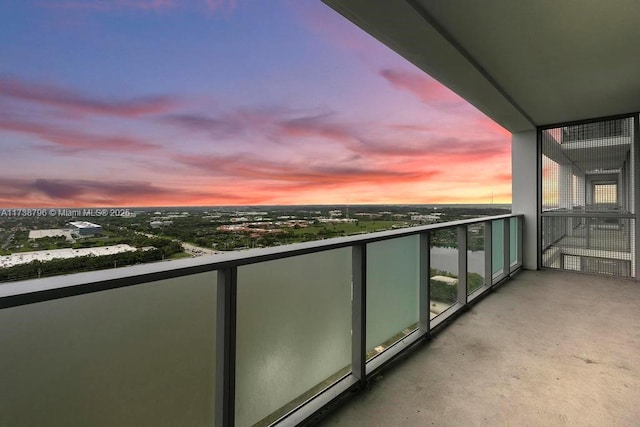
x: 13, y: 294
x: 499, y: 252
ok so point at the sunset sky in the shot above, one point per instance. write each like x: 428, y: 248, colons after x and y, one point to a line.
x: 227, y: 102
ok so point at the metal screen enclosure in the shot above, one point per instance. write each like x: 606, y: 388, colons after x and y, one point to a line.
x: 588, y: 197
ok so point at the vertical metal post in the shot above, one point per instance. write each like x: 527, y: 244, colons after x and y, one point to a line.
x: 462, y: 264
x: 424, y: 271
x: 636, y: 193
x: 519, y: 239
x: 507, y: 246
x: 359, y: 311
x: 539, y: 233
x: 488, y: 254
x: 226, y: 347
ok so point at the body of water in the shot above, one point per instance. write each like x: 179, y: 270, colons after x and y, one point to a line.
x: 447, y: 259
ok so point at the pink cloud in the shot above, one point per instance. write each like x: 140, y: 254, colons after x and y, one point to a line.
x: 433, y: 148
x: 339, y: 32
x: 253, y: 169
x: 377, y: 144
x: 315, y: 126
x: 422, y: 86
x: 144, y: 5
x: 77, y: 103
x: 318, y: 157
x: 74, y: 141
x: 108, y: 5
x: 266, y: 124
x: 44, y: 192
x: 215, y: 5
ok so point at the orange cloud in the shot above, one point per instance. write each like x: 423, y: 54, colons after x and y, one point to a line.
x: 44, y: 192
x: 312, y: 157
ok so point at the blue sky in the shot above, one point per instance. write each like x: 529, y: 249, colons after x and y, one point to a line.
x: 213, y: 102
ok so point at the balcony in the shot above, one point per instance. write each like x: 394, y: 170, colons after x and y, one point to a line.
x: 260, y: 336
x: 548, y: 348
x: 276, y: 335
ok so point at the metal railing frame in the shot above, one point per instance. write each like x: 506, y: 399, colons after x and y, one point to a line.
x: 15, y: 294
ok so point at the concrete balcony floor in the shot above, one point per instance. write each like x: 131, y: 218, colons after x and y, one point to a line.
x: 545, y: 349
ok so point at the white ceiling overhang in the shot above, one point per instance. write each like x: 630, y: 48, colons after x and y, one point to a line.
x: 523, y: 63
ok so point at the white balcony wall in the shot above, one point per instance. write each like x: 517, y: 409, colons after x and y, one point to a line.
x: 524, y: 192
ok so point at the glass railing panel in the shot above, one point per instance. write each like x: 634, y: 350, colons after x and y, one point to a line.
x: 497, y: 247
x: 392, y: 291
x: 513, y: 241
x: 140, y: 355
x: 443, y: 274
x: 475, y: 257
x: 293, y: 332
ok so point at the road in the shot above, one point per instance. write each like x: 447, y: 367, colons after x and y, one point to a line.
x: 7, y: 241
x: 188, y: 247
x: 197, y: 250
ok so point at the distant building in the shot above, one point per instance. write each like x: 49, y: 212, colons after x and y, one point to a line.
x: 426, y: 218
x: 337, y: 220
x: 158, y: 224
x: 368, y: 214
x: 84, y: 229
x: 58, y: 232
x: 18, y: 258
x: 444, y: 279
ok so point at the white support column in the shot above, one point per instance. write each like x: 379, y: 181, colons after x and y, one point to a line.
x: 565, y: 187
x: 565, y: 193
x: 524, y: 167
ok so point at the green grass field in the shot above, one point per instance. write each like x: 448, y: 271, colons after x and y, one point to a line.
x: 180, y: 255
x: 348, y: 228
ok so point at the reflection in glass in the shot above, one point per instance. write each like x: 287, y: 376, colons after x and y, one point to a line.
x: 392, y: 291
x: 475, y: 257
x: 443, y: 275
x: 293, y: 331
x: 497, y: 246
